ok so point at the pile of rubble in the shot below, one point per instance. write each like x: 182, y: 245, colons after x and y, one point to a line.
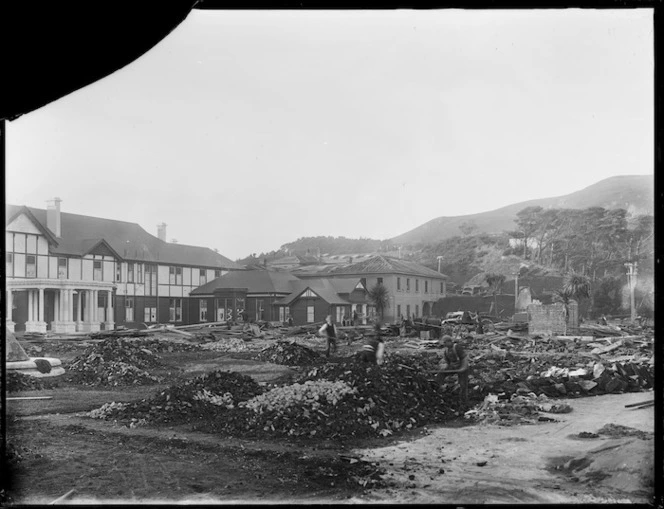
x: 522, y: 408
x: 114, y: 362
x: 226, y: 345
x: 332, y: 400
x: 289, y: 353
x: 16, y: 382
x: 209, y: 397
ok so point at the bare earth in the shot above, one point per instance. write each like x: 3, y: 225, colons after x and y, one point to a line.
x: 521, y: 460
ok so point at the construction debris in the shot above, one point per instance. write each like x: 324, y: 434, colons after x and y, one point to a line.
x: 289, y: 353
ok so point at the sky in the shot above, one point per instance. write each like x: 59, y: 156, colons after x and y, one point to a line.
x: 246, y: 130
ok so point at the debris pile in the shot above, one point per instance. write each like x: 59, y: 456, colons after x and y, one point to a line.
x: 17, y: 382
x: 114, y: 362
x: 289, y: 353
x: 193, y: 401
x: 332, y: 400
x: 521, y: 408
x: 226, y: 345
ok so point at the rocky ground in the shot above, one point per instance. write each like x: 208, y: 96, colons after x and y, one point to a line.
x: 211, y: 417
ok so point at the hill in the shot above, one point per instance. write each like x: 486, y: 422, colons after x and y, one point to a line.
x: 635, y: 193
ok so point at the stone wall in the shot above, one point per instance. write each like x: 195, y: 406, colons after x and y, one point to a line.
x: 549, y: 319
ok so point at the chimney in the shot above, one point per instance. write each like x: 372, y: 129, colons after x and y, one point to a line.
x: 161, y: 231
x: 53, y: 216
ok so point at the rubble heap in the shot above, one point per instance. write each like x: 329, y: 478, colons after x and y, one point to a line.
x: 114, y: 361
x: 519, y: 409
x: 289, y: 353
x: 332, y: 401
x: 20, y: 382
x: 209, y: 397
x: 226, y: 345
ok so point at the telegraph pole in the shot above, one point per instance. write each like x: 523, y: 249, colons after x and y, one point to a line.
x: 631, y: 278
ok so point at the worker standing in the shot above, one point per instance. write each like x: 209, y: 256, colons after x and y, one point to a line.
x: 330, y: 331
x: 455, y: 361
x: 373, y: 350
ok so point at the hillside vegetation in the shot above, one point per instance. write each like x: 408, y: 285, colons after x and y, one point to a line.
x: 634, y: 193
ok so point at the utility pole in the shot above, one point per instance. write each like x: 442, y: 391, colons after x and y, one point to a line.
x: 631, y: 278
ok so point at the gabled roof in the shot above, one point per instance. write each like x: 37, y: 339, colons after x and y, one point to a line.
x: 380, y: 264
x: 295, y: 259
x: 15, y: 211
x: 330, y: 290
x: 130, y: 241
x: 255, y: 281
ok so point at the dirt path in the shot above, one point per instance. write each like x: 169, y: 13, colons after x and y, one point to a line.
x: 521, y: 460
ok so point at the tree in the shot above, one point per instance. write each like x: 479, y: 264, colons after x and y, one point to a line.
x: 495, y: 282
x: 379, y: 296
x: 528, y: 221
x: 468, y: 227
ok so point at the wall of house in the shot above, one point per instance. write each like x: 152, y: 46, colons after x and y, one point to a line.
x: 474, y: 303
x: 299, y: 310
x: 549, y: 319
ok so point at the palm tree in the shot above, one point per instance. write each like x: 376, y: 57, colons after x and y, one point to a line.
x: 575, y: 287
x: 495, y: 282
x: 380, y: 298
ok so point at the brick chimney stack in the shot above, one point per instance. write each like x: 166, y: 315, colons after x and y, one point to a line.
x: 53, y: 216
x: 161, y: 231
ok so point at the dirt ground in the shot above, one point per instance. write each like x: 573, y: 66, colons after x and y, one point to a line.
x: 63, y: 450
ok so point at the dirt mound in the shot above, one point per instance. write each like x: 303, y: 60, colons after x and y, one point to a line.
x: 624, y: 464
x: 333, y: 400
x: 19, y: 382
x: 519, y: 409
x: 207, y: 398
x: 114, y: 361
x: 289, y: 354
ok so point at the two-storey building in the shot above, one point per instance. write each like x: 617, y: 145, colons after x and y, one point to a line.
x: 69, y: 272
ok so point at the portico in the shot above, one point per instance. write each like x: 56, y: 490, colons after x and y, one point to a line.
x: 74, y: 306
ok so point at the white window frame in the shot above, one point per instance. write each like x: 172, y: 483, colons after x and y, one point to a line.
x: 202, y: 310
x: 34, y: 265
x: 129, y: 309
x: 311, y: 314
x: 150, y: 315
x: 97, y: 272
x: 175, y: 309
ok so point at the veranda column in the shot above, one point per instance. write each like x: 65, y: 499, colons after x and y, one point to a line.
x: 31, y: 318
x: 10, y: 304
x: 110, y: 323
x: 78, y: 310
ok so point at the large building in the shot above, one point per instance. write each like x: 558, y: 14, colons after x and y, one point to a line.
x: 412, y: 288
x: 69, y: 272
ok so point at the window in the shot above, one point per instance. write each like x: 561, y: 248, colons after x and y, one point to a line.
x: 62, y: 268
x: 202, y: 277
x: 380, y: 280
x: 175, y: 275
x: 310, y: 314
x: 118, y: 272
x: 426, y: 287
x: 217, y: 273
x: 202, y: 310
x: 130, y: 273
x: 97, y: 270
x: 408, y: 284
x: 442, y: 288
x: 150, y: 315
x: 150, y: 279
x: 398, y: 284
x: 129, y: 309
x: 30, y: 266
x: 398, y: 311
x: 259, y: 309
x: 139, y: 273
x: 10, y: 264
x: 417, y: 285
x: 175, y: 310
x: 417, y: 310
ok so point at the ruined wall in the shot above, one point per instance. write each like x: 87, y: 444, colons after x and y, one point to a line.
x: 549, y: 319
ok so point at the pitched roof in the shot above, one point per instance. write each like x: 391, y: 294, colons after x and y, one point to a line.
x: 130, y: 241
x: 324, y: 288
x: 256, y: 281
x: 380, y: 264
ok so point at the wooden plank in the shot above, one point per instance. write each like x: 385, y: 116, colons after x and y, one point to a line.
x: 29, y: 397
